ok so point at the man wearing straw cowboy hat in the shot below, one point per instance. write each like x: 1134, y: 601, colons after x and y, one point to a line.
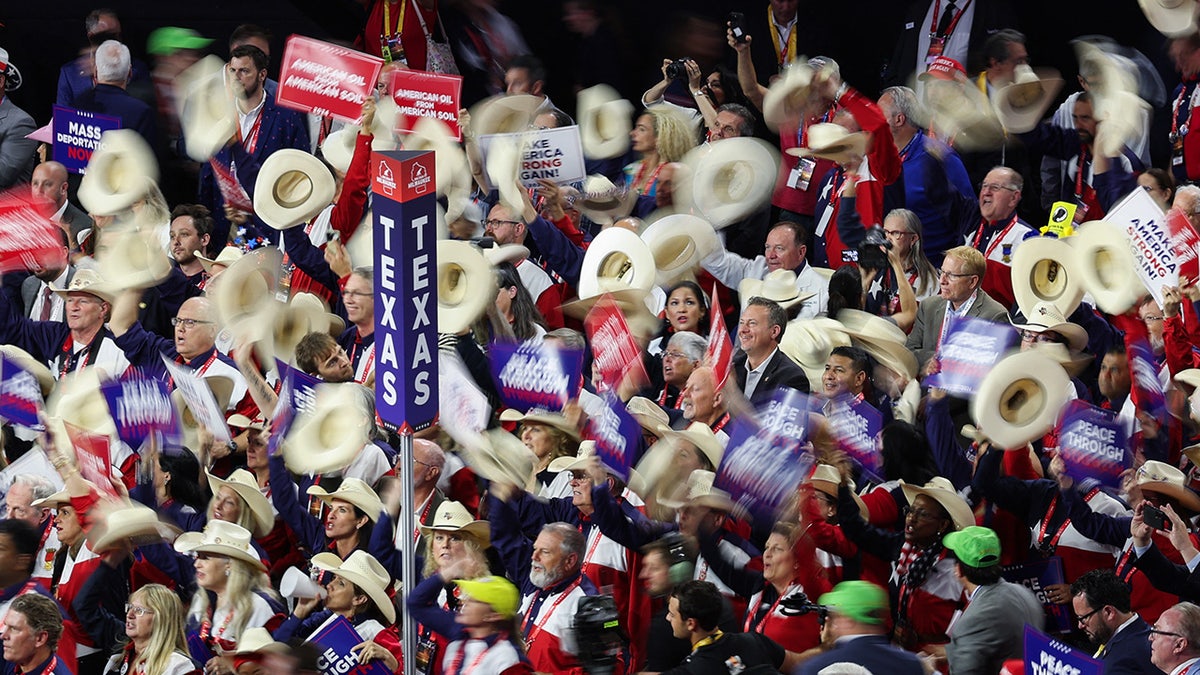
x: 17, y: 151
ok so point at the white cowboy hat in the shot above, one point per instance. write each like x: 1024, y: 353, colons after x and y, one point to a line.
x: 544, y: 417
x: 603, y: 202
x: 605, y: 120
x: 678, y: 243
x: 580, y: 461
x: 649, y: 415
x: 246, y: 288
x: 452, y: 170
x: 963, y: 114
x: 228, y: 255
x: 25, y: 360
x: 731, y: 178
x: 833, y: 142
x: 258, y: 640
x: 292, y: 187
x: 1163, y: 478
x: 352, y: 491
x: 826, y: 478
x: 1021, y: 105
x: 620, y: 255
x: 284, y: 325
x: 466, y: 285
x: 942, y: 491
x: 133, y: 259
x: 79, y: 401
x: 452, y: 516
x: 90, y: 282
x: 502, y: 253
x: 189, y: 426
x: 1046, y: 316
x: 221, y: 538
x: 1043, y: 270
x: 503, y: 167
x: 1107, y: 269
x: 700, y: 492
x: 505, y: 114
x: 338, y: 148
x: 363, y: 570
x: 1020, y: 398
x: 880, y: 338
x: 701, y: 435
x: 245, y: 485
x: 330, y: 436
x: 206, y: 110
x: 1116, y: 104
x: 1172, y: 18
x: 130, y: 521
x: 808, y: 342
x: 778, y: 286
x: 117, y: 173
x: 498, y: 456
x: 788, y: 96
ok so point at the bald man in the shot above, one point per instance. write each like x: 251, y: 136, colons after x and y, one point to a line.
x: 49, y: 188
x: 703, y: 402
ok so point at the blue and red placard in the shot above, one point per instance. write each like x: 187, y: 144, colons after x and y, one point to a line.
x: 77, y: 135
x: 140, y: 406
x: 1045, y: 655
x: 967, y: 353
x: 535, y: 374
x: 20, y: 395
x: 856, y: 425
x: 1037, y: 575
x: 615, y: 432
x: 336, y: 641
x: 763, y: 462
x: 1094, y: 443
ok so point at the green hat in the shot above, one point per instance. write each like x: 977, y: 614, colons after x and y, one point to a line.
x: 171, y: 39
x: 974, y: 546
x: 495, y: 591
x: 861, y: 601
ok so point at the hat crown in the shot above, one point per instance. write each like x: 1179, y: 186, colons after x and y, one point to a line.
x: 1154, y: 471
x: 827, y: 473
x: 940, y: 483
x: 83, y: 280
x: 826, y: 134
x: 453, y: 514
x: 243, y: 477
x: 226, y: 534
x: 365, y: 565
x: 1046, y: 314
x: 779, y: 285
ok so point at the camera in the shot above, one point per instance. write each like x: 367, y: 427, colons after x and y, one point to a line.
x: 599, y: 638
x: 677, y: 70
x: 800, y: 605
x: 737, y: 24
x: 872, y: 252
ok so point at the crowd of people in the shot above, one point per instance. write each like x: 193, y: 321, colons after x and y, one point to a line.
x: 199, y: 479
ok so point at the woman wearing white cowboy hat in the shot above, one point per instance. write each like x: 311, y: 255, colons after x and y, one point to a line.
x: 550, y: 436
x: 232, y: 589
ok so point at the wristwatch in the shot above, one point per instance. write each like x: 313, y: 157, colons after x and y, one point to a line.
x: 233, y: 446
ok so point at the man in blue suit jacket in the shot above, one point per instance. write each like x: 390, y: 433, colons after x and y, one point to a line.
x: 1101, y: 604
x: 857, y: 612
x: 110, y: 98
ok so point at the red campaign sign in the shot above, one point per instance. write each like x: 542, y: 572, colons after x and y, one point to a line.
x: 28, y: 239
x: 615, y: 351
x: 325, y: 79
x: 1185, y: 243
x: 719, y: 354
x: 92, y: 453
x: 421, y: 94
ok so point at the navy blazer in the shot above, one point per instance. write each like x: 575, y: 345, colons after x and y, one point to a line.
x: 780, y: 371
x: 135, y: 114
x: 873, y: 652
x: 1128, y: 652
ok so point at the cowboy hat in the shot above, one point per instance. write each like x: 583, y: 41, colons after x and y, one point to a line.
x: 605, y: 120
x: 833, y: 142
x: 352, y: 491
x: 257, y: 640
x: 701, y: 435
x: 808, y: 342
x: 1021, y: 105
x: 731, y: 178
x: 363, y: 570
x: 245, y: 485
x: 1172, y: 18
x: 700, y: 492
x: 580, y: 461
x: 78, y: 400
x: 502, y: 253
x: 649, y: 415
x: 338, y: 148
x: 618, y: 254
x: 962, y: 113
x: 130, y: 521
x: 452, y: 516
x: 631, y: 302
x: 245, y: 288
x: 87, y: 281
x: 12, y: 76
x: 498, y: 456
x: 189, y: 426
x: 503, y: 167
x: 330, y: 436
x: 1020, y: 398
x: 26, y: 362
x: 788, y: 96
x: 826, y: 478
x: 227, y: 256
x: 284, y: 325
x: 1045, y: 316
x: 1042, y: 270
x: 60, y: 498
x: 550, y: 419
x: 206, y: 111
x: 603, y: 202
x: 466, y: 285
x: 505, y: 114
x: 1107, y: 269
x: 1120, y: 117
x: 133, y: 259
x: 1188, y: 376
x: 292, y: 187
x: 678, y: 243
x: 880, y: 338
x: 451, y: 168
x: 221, y: 538
x: 117, y: 172
x: 240, y: 421
x: 778, y: 286
x: 1165, y: 479
x: 942, y: 491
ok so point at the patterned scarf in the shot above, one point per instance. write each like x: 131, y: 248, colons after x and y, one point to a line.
x: 912, y: 569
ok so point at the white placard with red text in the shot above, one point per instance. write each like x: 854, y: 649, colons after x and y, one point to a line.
x: 1149, y: 240
x: 325, y: 79
x: 555, y: 154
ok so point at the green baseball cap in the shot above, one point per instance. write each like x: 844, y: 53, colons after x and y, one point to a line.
x: 974, y: 546
x: 172, y: 38
x: 861, y: 601
x: 495, y: 591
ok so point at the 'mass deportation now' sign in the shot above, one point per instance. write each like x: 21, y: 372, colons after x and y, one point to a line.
x: 77, y: 135
x: 406, y: 370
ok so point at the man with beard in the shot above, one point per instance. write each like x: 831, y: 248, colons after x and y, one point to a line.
x: 191, y: 233
x: 1102, y: 608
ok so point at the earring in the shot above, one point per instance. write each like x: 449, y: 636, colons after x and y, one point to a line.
x: 226, y: 571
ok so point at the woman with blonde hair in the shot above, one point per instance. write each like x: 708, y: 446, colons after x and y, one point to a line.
x: 154, y: 627
x: 661, y: 136
x: 550, y: 436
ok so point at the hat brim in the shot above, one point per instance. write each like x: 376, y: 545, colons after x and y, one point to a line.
x: 330, y: 562
x: 331, y: 436
x: 960, y: 513
x: 783, y: 102
x: 370, y: 505
x: 1107, y: 269
x: 601, y: 107
x: 621, y: 251
x: 678, y: 243
x: 466, y: 285
x: 731, y: 179
x: 1186, y: 497
x: 1173, y: 22
x: 206, y: 111
x: 479, y: 530
x: 1020, y: 118
x: 1020, y: 398
x: 839, y: 151
x: 551, y: 420
x: 264, y: 516
x: 193, y: 542
x: 1043, y: 270
x: 118, y: 173
x: 141, y: 532
x: 292, y: 187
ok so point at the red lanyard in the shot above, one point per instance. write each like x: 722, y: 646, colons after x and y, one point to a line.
x: 199, y: 371
x: 750, y: 616
x: 1083, y: 156
x: 537, y: 627
x: 69, y: 356
x: 252, y: 142
x: 996, y: 239
x: 206, y: 626
x: 637, y: 179
x: 933, y: 25
x: 49, y: 668
x: 721, y: 423
x: 421, y: 518
x: 370, y: 363
x: 592, y: 548
x: 1175, y: 108
x: 456, y: 665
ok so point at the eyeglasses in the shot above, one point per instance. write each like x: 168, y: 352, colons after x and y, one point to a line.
x: 1155, y: 631
x: 993, y: 187
x: 915, y: 514
x: 675, y: 355
x: 897, y: 233
x: 357, y: 294
x: 1151, y: 319
x: 494, y: 222
x: 1082, y: 618
x: 188, y: 323
x: 137, y: 610
x: 956, y: 275
x: 1044, y: 337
